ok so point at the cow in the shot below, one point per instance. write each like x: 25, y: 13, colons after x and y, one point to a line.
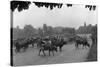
x: 83, y: 42
x: 59, y: 43
x: 45, y: 44
x: 21, y: 44
x: 49, y: 48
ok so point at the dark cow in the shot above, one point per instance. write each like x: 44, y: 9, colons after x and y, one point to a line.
x: 22, y: 44
x: 45, y: 44
x: 58, y: 43
x: 49, y: 48
x: 82, y: 42
x: 31, y: 41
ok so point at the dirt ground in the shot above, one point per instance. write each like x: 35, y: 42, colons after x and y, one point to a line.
x: 69, y: 54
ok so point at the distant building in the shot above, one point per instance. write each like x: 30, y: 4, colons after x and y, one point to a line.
x: 84, y: 24
x: 86, y: 29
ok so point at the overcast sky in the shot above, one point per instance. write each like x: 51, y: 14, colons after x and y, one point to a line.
x: 74, y: 16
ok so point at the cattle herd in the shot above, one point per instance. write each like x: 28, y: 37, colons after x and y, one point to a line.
x: 48, y: 43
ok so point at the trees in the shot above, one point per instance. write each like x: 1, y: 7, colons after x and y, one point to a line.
x: 92, y: 55
x: 20, y: 5
x: 51, y: 5
x: 94, y: 34
x: 17, y: 33
x: 29, y: 30
x: 50, y: 30
x: 69, y: 30
x: 23, y: 5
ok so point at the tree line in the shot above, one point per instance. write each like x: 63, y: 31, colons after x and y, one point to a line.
x: 24, y: 5
x: 30, y: 31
